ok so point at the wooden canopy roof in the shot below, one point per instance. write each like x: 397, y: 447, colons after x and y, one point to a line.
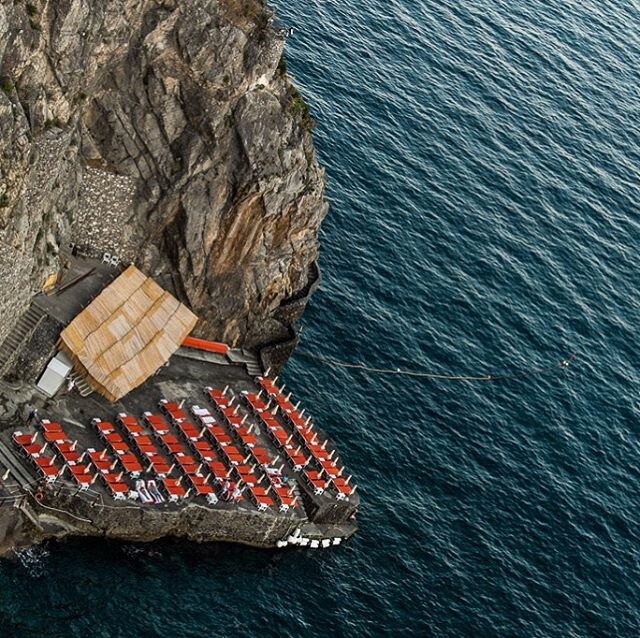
x: 125, y: 334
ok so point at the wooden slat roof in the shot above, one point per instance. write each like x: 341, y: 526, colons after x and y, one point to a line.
x: 126, y: 333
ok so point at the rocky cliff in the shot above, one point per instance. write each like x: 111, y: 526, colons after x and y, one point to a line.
x: 166, y: 133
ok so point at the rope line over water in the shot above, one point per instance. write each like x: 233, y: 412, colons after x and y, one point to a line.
x: 530, y: 372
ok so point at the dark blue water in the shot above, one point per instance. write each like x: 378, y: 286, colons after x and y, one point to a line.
x: 483, y: 164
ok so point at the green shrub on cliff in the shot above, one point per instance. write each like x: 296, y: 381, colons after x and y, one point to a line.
x: 300, y: 109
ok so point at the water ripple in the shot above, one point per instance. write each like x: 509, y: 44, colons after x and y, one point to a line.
x: 483, y: 164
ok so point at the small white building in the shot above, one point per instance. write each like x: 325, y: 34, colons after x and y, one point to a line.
x: 55, y: 373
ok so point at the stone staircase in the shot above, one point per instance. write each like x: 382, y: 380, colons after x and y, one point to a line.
x: 247, y: 358
x: 83, y: 388
x: 19, y: 335
x: 10, y: 461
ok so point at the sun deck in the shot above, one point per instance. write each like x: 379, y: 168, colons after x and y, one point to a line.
x: 200, y: 432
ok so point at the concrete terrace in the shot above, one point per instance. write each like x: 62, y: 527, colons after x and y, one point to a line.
x: 281, y: 467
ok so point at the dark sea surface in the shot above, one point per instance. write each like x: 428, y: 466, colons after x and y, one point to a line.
x: 483, y: 163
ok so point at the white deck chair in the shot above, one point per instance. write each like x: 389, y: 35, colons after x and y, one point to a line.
x: 106, y: 258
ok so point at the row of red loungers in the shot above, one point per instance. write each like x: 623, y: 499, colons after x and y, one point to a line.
x: 194, y: 439
x: 284, y: 495
x: 233, y: 469
x: 327, y: 466
x: 200, y: 480
x: 136, y: 446
x: 223, y: 459
x: 284, y: 441
x: 154, y: 448
x: 34, y: 452
x: 155, y: 443
x: 116, y: 456
x: 237, y: 462
x: 66, y: 456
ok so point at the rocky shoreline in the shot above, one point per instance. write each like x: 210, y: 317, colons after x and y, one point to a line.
x: 30, y: 521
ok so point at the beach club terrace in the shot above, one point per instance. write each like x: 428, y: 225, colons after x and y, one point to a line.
x: 151, y: 416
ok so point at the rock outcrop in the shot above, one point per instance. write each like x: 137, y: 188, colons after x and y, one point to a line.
x: 167, y: 133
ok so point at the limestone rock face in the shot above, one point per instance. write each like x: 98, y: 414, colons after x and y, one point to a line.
x: 167, y: 133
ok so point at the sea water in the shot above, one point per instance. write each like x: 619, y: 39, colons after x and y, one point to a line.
x: 483, y: 170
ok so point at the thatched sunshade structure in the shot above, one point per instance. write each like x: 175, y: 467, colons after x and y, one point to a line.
x: 125, y: 334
